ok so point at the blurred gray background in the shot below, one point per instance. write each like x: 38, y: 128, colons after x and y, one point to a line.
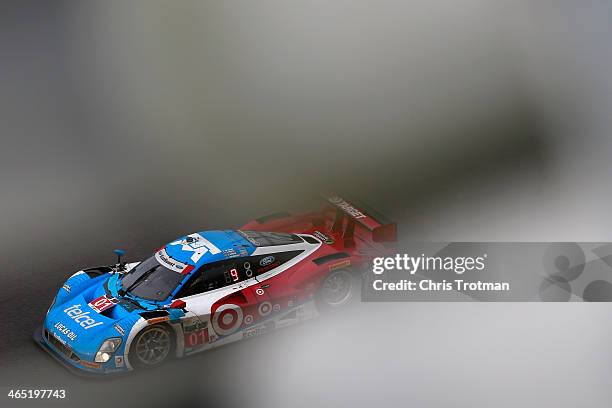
x: 126, y: 124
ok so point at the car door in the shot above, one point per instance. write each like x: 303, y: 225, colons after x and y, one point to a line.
x: 281, y: 295
x: 196, y: 322
x: 220, y: 299
x: 242, y: 308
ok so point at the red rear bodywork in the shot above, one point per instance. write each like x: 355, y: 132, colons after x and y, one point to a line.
x: 351, y: 235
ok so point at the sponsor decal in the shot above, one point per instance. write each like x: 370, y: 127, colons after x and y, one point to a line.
x: 276, y: 307
x: 227, y: 319
x: 266, y: 261
x: 339, y: 265
x: 264, y: 309
x: 196, y: 333
x: 259, y: 291
x: 119, y: 361
x: 352, y: 211
x: 196, y: 324
x: 230, y: 253
x: 196, y: 337
x: 248, y: 319
x: 249, y: 333
x: 163, y: 258
x: 119, y: 329
x: 258, y: 331
x: 59, y: 338
x: 66, y: 287
x: 198, y: 245
x: 323, y: 237
x: 267, y: 268
x: 82, y: 318
x: 253, y: 332
x: 102, y: 303
x: 66, y: 331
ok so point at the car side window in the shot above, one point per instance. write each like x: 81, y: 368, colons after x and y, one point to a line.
x: 263, y: 263
x: 227, y: 272
x: 214, y: 276
x: 193, y: 286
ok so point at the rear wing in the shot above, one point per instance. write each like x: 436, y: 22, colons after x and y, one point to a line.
x: 350, y: 213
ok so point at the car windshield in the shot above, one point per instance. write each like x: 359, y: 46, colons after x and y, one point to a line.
x: 150, y: 280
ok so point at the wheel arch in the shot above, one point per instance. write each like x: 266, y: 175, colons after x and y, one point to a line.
x: 176, y: 337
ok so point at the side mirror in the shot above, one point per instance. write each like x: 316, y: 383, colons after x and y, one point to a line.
x: 178, y: 304
x: 119, y: 253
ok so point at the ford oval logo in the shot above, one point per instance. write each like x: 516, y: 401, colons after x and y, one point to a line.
x: 266, y: 261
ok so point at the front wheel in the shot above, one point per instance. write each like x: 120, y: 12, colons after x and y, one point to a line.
x: 338, y: 289
x: 151, y: 347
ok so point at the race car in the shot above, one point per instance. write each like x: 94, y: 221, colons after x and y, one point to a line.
x: 211, y: 288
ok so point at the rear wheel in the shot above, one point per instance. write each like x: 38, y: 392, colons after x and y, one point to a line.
x: 151, y: 347
x: 338, y: 289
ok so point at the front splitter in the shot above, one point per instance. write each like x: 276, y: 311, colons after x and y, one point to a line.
x: 38, y: 339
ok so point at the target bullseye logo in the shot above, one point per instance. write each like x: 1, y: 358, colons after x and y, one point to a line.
x: 259, y: 291
x: 264, y: 309
x: 227, y: 319
x: 248, y: 319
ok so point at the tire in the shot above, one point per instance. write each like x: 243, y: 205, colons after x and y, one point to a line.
x: 339, y: 289
x: 152, y: 346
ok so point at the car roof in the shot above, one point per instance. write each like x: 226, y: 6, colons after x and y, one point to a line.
x: 204, y: 247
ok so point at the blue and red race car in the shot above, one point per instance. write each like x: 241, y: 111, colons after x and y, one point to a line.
x: 211, y: 288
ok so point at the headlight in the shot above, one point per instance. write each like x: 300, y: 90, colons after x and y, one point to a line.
x: 108, y: 347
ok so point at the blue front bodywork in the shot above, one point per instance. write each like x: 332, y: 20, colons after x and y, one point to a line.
x: 76, y: 345
x: 73, y: 331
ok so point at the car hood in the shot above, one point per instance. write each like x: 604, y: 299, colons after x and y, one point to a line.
x: 84, y: 321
